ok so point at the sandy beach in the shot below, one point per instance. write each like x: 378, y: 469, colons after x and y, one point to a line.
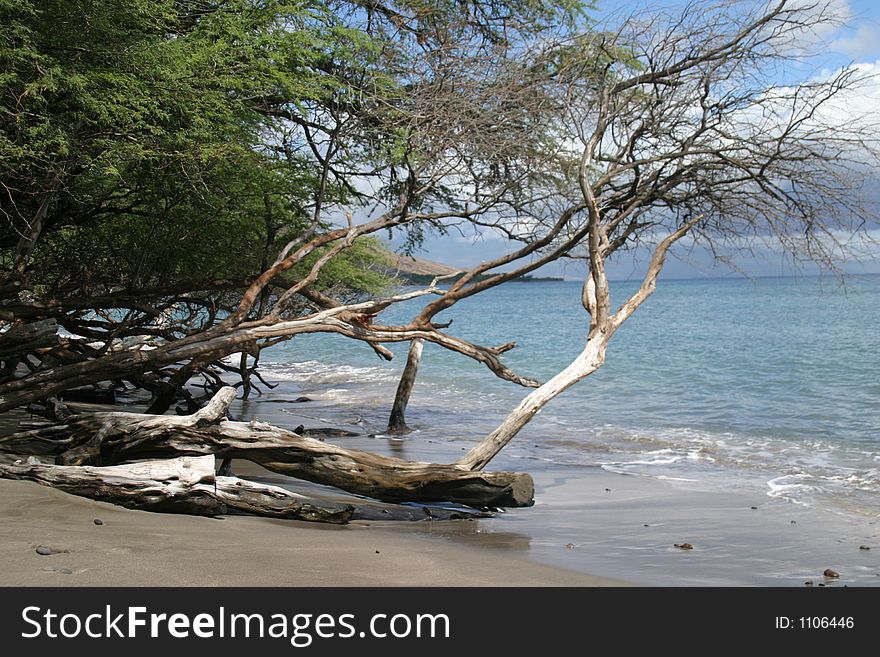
x: 589, y: 527
x: 135, y: 548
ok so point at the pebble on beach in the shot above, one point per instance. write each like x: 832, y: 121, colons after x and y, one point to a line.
x: 570, y: 546
x: 831, y: 573
x: 98, y: 521
x: 684, y: 546
x: 44, y: 551
x: 864, y: 547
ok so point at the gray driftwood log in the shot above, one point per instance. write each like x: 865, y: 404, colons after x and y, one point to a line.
x: 110, y: 438
x: 26, y: 337
x: 179, y: 485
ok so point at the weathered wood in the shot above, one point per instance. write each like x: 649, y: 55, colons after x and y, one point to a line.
x: 397, y: 421
x: 170, y: 486
x: 27, y: 337
x: 181, y: 485
x: 108, y: 438
x: 274, y: 502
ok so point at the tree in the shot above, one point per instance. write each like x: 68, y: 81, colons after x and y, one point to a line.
x: 575, y: 142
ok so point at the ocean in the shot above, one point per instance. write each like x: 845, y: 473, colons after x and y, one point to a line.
x: 764, y: 387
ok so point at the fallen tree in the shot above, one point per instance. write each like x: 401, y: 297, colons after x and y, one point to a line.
x: 101, y: 439
x: 179, y: 485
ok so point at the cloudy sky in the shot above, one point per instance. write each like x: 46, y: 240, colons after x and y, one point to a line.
x: 857, y: 42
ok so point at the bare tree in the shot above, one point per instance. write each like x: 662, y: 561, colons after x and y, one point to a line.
x: 682, y: 131
x: 657, y: 128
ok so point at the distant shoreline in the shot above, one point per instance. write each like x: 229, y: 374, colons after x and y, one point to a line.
x: 426, y: 279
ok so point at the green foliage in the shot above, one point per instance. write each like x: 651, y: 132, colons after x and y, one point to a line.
x: 180, y: 141
x: 362, y: 267
x: 138, y: 123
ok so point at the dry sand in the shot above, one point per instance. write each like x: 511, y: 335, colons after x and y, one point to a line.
x: 136, y: 548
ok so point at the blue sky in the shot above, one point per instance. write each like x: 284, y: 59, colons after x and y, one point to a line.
x: 857, y: 42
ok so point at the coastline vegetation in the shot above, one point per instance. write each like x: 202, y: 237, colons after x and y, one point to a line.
x: 182, y: 181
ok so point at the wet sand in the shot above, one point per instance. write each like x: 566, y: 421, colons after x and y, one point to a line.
x: 586, y: 521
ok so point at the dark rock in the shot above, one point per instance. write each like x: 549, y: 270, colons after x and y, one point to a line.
x: 44, y: 551
x: 793, y: 522
x: 864, y: 547
x: 754, y: 508
x: 607, y: 490
x: 98, y: 521
x: 377, y: 551
x: 300, y: 400
x: 808, y: 583
x: 684, y: 546
x: 831, y: 573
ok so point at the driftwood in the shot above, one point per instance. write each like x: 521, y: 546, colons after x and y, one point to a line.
x: 179, y: 485
x: 109, y: 438
x: 27, y: 337
x: 397, y: 421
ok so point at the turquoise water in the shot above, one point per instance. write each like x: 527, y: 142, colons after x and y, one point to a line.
x: 760, y: 385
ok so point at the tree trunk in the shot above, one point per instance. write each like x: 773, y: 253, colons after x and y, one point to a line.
x: 180, y: 485
x: 397, y: 421
x: 27, y: 337
x: 171, y: 486
x: 109, y: 438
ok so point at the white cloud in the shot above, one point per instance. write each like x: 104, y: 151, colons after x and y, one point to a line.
x: 860, y: 44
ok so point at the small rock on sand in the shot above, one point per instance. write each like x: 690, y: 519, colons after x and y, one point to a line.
x: 864, y: 547
x: 684, y: 546
x: 98, y: 521
x: 831, y: 573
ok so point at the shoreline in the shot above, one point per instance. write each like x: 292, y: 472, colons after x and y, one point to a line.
x: 138, y: 548
x: 589, y: 527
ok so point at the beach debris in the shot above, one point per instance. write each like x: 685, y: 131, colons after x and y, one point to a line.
x: 607, y: 490
x: 570, y: 546
x: 808, y: 583
x: 45, y: 551
x: 864, y: 547
x: 831, y: 573
x: 63, y: 571
x: 821, y: 584
x: 646, y: 525
x: 684, y: 546
x: 288, y: 453
x: 300, y: 400
x: 792, y: 522
x: 377, y: 551
x: 754, y: 508
x: 98, y: 521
